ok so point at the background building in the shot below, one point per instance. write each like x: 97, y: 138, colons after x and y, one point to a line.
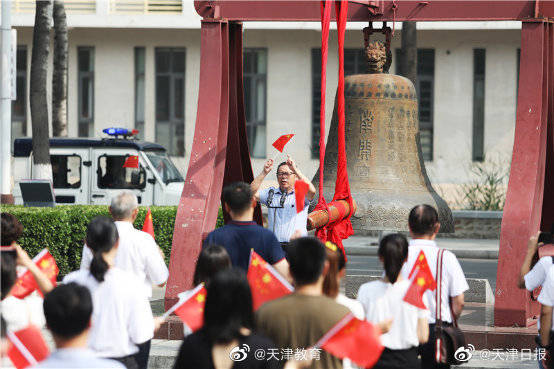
x: 135, y: 64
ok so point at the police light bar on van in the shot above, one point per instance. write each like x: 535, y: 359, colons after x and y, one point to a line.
x: 120, y: 132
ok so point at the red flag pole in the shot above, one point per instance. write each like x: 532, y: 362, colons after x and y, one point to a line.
x: 340, y: 325
x: 22, y: 349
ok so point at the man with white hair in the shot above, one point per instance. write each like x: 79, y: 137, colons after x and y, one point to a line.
x: 137, y: 253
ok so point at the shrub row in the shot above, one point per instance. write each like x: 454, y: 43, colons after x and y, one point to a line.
x: 62, y: 229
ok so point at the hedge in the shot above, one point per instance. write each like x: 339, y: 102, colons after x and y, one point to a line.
x: 62, y: 229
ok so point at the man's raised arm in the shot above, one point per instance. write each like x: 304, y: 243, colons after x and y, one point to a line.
x: 302, y: 177
x: 257, y: 182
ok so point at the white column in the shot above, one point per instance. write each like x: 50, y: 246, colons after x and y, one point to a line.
x: 5, y: 95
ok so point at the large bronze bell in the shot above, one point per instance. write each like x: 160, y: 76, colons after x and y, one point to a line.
x: 385, y: 166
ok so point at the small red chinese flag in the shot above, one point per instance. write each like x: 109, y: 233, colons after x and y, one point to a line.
x: 26, y: 284
x: 300, y: 191
x: 148, y: 226
x: 131, y: 162
x: 265, y: 282
x: 422, y: 280
x: 27, y: 347
x: 190, y: 307
x: 280, y: 143
x: 357, y: 340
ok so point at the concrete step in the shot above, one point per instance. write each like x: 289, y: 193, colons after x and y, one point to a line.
x: 163, y: 353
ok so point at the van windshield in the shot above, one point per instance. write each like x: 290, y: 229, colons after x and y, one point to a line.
x: 165, y: 168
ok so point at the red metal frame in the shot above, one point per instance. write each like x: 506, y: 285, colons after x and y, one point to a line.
x: 378, y: 10
x: 219, y: 153
x: 220, y: 149
x: 526, y: 189
x: 199, y: 204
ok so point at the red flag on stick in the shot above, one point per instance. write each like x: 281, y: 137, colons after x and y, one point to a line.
x: 131, y: 162
x: 357, y: 340
x: 280, y: 143
x: 26, y: 284
x: 148, y: 225
x: 190, y: 307
x: 27, y: 347
x: 265, y: 282
x: 422, y: 280
x: 300, y: 191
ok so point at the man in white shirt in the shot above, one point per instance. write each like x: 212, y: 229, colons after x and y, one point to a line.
x: 283, y: 220
x: 424, y: 226
x: 68, y: 310
x: 137, y: 253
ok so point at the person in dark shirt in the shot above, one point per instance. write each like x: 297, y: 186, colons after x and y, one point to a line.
x: 242, y: 234
x: 226, y: 329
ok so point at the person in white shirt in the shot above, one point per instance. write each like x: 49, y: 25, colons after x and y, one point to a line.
x: 68, y: 309
x: 283, y: 219
x: 383, y: 299
x: 331, y: 285
x: 546, y: 299
x: 531, y: 279
x: 137, y: 253
x: 122, y: 317
x: 424, y: 225
x: 19, y: 313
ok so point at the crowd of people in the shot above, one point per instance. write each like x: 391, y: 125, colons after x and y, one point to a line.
x: 100, y: 315
x: 120, y: 264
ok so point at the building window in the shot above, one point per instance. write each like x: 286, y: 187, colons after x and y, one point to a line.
x: 19, y: 106
x: 146, y: 6
x: 478, y: 153
x: 354, y: 63
x: 425, y: 92
x: 255, y: 88
x: 139, y: 90
x: 85, y: 60
x: 170, y: 99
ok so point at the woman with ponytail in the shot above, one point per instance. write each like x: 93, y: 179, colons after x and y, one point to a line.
x: 121, y: 317
x: 383, y: 299
x: 333, y: 278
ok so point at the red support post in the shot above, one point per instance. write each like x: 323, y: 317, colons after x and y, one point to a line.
x: 548, y: 202
x: 200, y: 199
x: 524, y: 199
x: 238, y: 166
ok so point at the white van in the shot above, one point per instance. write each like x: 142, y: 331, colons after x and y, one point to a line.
x: 90, y: 170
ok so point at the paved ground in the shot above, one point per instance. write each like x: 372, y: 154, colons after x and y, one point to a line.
x: 473, y: 268
x: 490, y: 359
x: 163, y: 352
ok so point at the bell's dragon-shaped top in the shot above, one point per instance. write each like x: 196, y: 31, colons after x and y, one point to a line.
x: 376, y: 55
